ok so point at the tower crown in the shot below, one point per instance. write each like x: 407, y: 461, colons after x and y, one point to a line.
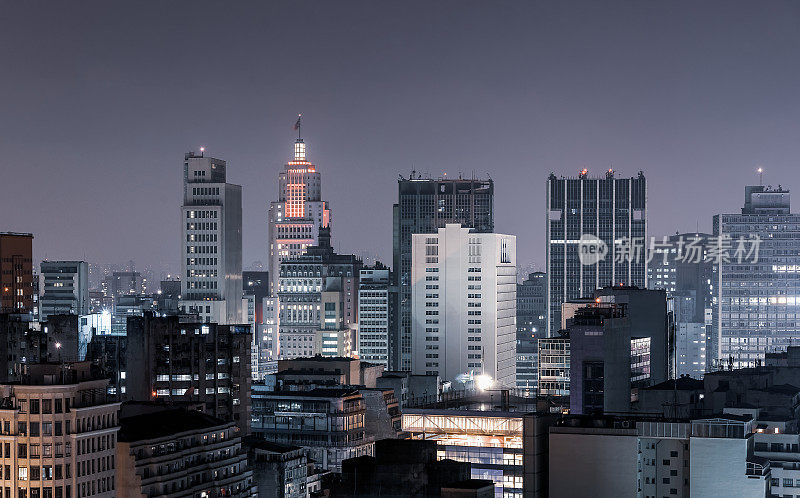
x: 299, y: 150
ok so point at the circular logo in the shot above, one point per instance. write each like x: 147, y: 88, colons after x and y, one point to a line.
x: 591, y: 249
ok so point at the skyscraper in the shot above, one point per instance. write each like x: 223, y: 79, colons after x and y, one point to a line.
x: 66, y: 288
x: 16, y: 272
x: 424, y: 206
x: 464, y: 304
x: 531, y: 326
x: 211, y: 248
x: 596, y: 231
x: 757, y: 279
x: 298, y: 214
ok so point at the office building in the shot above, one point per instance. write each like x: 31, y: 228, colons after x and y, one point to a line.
x: 66, y: 288
x: 376, y: 301
x: 606, y: 361
x: 596, y: 231
x: 650, y: 317
x: 463, y: 302
x: 554, y: 365
x: 424, y: 206
x: 646, y: 457
x: 299, y: 213
x: 504, y: 443
x: 59, y: 433
x: 211, y: 241
x: 690, y: 349
x: 328, y: 422
x: 318, y: 298
x: 16, y: 272
x: 531, y: 326
x: 166, y: 451
x: 756, y: 285
x: 168, y: 359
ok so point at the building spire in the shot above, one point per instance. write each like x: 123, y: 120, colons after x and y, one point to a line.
x: 297, y: 126
x: 299, y: 146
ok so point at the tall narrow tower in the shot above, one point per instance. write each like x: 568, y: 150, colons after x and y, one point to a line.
x: 211, y: 241
x: 298, y: 214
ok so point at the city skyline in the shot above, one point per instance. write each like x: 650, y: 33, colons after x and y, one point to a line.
x: 111, y: 123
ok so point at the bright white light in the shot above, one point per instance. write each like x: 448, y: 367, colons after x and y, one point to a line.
x: 483, y: 382
x: 58, y: 345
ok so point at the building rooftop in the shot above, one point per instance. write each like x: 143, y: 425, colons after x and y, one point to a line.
x: 17, y: 234
x: 470, y: 484
x: 318, y: 393
x: 320, y: 358
x: 261, y: 444
x: 164, y: 423
x: 683, y: 384
x: 780, y: 389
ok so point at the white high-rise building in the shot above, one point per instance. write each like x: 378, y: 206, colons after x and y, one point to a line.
x: 463, y: 304
x: 298, y: 214
x: 373, y: 315
x: 66, y: 288
x: 211, y: 248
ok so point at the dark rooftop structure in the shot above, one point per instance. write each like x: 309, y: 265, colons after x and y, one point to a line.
x: 681, y: 384
x: 164, y: 423
x: 400, y: 467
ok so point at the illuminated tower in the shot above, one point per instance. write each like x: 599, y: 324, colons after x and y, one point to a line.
x: 298, y: 214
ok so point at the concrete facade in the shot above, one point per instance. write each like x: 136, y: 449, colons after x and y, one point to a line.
x: 211, y: 241
x: 66, y: 288
x: 463, y: 290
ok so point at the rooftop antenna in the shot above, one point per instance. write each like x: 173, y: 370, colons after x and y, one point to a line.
x: 297, y: 125
x: 760, y: 176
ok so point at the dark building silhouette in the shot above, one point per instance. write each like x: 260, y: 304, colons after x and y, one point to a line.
x: 16, y: 272
x: 171, y: 359
x: 26, y: 342
x: 400, y: 467
x: 531, y: 326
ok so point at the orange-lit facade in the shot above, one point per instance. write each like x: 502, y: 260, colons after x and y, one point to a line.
x: 298, y: 214
x: 16, y: 272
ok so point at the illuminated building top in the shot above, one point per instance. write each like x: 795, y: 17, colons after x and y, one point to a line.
x: 297, y: 216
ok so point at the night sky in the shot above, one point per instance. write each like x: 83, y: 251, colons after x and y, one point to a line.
x: 100, y: 100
